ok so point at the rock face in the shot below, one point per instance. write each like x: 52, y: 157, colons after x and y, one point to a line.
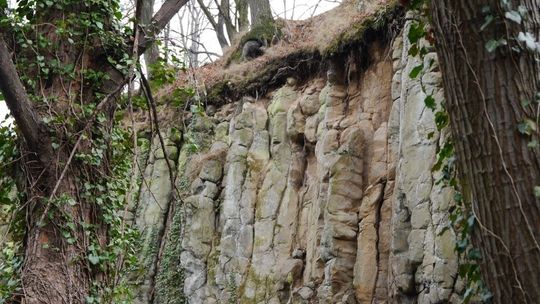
x: 319, y: 192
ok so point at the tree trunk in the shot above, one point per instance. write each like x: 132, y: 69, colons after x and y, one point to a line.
x: 45, y: 277
x: 152, y: 53
x: 484, y: 94
x: 53, y: 270
x: 260, y: 12
x: 220, y: 32
x: 195, y: 37
x: 225, y: 17
x: 61, y: 218
x: 242, y: 9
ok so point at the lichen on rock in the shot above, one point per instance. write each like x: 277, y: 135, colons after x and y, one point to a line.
x: 317, y: 190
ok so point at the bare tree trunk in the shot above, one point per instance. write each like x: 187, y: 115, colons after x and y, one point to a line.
x: 152, y: 53
x: 242, y: 9
x: 485, y: 93
x: 220, y: 31
x: 225, y: 13
x: 195, y: 36
x: 260, y: 12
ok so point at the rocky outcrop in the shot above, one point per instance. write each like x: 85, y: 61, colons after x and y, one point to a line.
x: 320, y: 191
x: 423, y: 263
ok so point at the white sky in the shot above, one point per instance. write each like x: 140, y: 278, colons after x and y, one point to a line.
x: 288, y: 9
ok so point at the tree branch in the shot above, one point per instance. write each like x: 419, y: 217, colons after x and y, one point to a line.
x: 159, y: 21
x: 28, y: 121
x: 208, y: 15
x: 224, y: 11
x: 218, y: 26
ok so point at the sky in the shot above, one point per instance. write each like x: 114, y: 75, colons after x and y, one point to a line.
x: 288, y: 9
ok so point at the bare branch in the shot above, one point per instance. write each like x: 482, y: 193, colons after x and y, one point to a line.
x: 208, y: 15
x: 218, y: 26
x: 159, y: 21
x: 224, y: 11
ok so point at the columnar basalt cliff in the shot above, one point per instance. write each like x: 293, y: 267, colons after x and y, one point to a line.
x: 318, y: 190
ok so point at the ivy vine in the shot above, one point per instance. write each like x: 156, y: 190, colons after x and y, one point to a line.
x: 462, y: 219
x: 104, y: 149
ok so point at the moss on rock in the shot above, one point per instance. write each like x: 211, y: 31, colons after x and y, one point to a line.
x: 358, y: 33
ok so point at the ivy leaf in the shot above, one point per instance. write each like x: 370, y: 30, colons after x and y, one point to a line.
x: 441, y: 120
x: 514, y: 16
x: 537, y: 191
x: 471, y: 220
x: 71, y: 202
x: 522, y: 10
x: 94, y: 259
x: 430, y: 102
x: 416, y: 71
x: 529, y: 41
x: 493, y: 44
x: 413, y: 51
x: 416, y: 32
x: 487, y: 22
x: 458, y: 197
x: 474, y: 254
x: 527, y: 126
x: 445, y: 153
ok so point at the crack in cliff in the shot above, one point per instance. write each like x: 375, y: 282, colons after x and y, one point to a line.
x: 168, y: 220
x: 303, y: 189
x: 377, y: 225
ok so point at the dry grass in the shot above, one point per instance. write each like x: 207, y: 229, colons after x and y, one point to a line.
x: 303, y: 47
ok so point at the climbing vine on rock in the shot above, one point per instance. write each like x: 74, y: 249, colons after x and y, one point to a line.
x: 462, y: 218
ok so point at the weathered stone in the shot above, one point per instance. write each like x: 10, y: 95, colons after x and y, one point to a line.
x: 310, y: 129
x: 210, y: 191
x: 202, y: 123
x: 310, y: 104
x: 416, y: 245
x: 296, y: 122
x: 421, y: 216
x: 305, y: 293
x: 211, y: 171
x: 320, y: 191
